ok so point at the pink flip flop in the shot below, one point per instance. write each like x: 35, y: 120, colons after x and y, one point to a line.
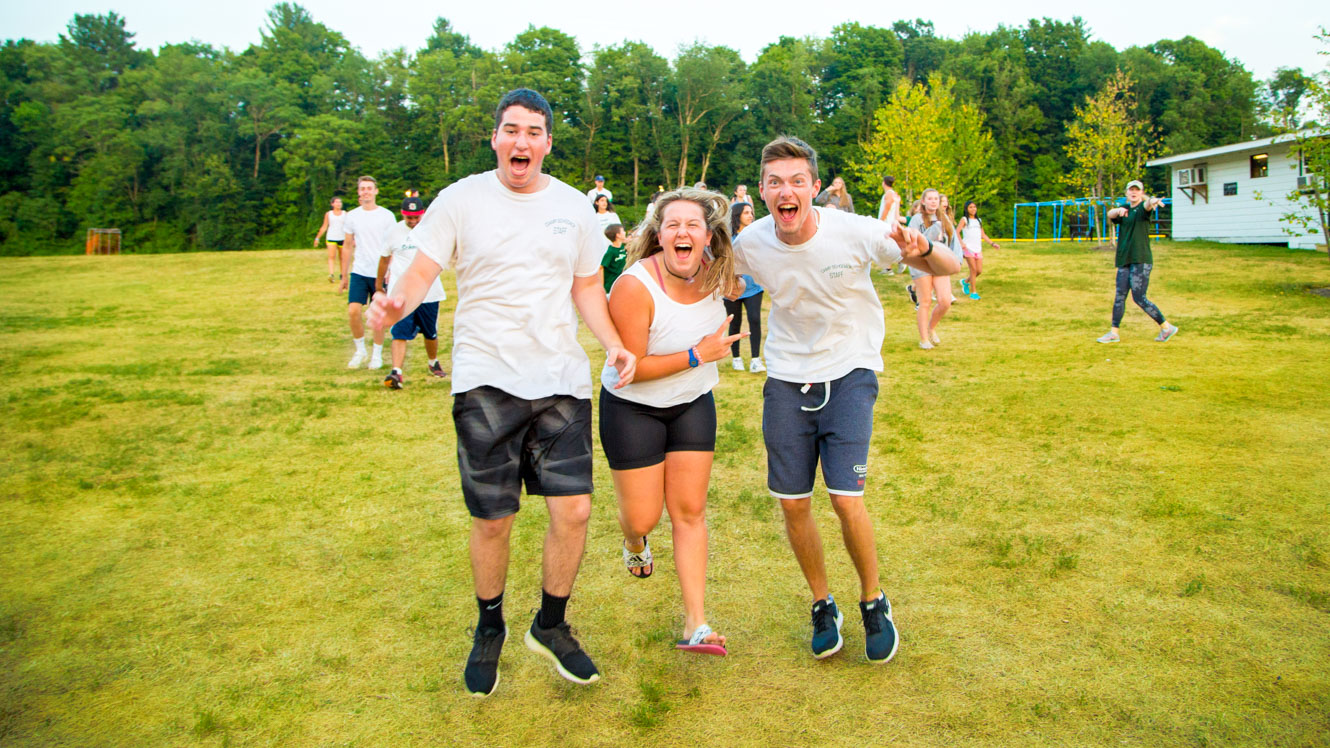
x: 696, y: 644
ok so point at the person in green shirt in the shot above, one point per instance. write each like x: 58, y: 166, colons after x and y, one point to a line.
x: 1134, y: 261
x: 615, y: 255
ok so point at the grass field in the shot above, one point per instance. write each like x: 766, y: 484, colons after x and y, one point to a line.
x: 213, y: 533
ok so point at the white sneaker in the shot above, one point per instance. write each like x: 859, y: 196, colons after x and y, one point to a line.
x: 926, y: 345
x: 738, y: 364
x: 376, y: 362
x: 756, y: 366
x: 1109, y: 337
x: 936, y: 339
x: 357, y: 360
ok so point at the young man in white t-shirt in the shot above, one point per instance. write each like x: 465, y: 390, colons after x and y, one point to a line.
x: 824, y: 347
x: 526, y: 248
x: 599, y: 190
x: 397, y: 257
x: 366, y: 229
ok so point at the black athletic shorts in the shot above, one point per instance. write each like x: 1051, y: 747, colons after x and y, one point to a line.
x: 504, y: 441
x: 635, y: 435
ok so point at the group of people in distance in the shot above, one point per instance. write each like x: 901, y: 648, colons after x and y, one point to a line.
x: 369, y: 243
x: 665, y: 304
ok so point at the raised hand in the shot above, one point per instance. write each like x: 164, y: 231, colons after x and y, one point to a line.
x: 911, y: 242
x: 716, y: 346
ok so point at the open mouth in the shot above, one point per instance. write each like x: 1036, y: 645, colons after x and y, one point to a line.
x: 519, y: 164
x: 683, y: 251
x: 787, y: 211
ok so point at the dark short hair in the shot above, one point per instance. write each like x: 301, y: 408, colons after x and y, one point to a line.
x: 889, y: 180
x: 613, y: 230
x: 787, y: 146
x: 528, y: 100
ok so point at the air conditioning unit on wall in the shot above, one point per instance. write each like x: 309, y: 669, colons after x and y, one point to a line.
x: 1307, y: 182
x: 1184, y: 177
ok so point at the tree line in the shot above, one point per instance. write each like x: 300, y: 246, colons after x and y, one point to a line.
x: 195, y: 147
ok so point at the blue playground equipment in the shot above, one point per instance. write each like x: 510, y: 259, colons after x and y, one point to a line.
x: 1085, y: 213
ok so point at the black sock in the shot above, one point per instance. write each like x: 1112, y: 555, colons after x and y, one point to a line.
x: 491, y: 612
x: 551, y: 610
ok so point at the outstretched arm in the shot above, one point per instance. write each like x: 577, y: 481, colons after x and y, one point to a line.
x: 589, y: 297
x: 385, y: 311
x: 920, y: 254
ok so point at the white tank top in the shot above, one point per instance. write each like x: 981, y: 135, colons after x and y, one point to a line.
x: 335, y: 233
x: 674, y: 327
x: 972, y: 234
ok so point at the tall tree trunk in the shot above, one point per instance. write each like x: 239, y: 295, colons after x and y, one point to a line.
x: 635, y: 180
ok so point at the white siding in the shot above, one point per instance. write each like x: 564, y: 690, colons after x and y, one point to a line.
x: 1240, y: 217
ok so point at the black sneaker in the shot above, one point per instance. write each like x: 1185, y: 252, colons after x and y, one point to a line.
x: 914, y: 298
x: 436, y: 369
x: 482, y: 667
x: 558, y: 644
x: 879, y: 630
x: 827, y: 620
x: 394, y: 380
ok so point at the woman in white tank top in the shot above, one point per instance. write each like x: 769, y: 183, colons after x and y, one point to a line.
x: 332, y: 224
x: 659, y: 431
x: 972, y: 232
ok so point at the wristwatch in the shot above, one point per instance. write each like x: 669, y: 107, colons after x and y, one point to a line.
x: 693, y: 361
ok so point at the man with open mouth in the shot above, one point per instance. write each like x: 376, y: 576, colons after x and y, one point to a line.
x: 824, y: 349
x: 526, y: 248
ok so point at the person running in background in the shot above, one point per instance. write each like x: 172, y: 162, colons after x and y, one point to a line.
x: 659, y: 433
x: 824, y: 349
x: 836, y: 196
x: 615, y: 256
x: 973, y: 238
x: 953, y: 240
x: 741, y: 215
x: 521, y: 380
x: 397, y: 257
x: 1135, y: 261
x: 741, y: 195
x: 366, y: 229
x: 332, y: 224
x: 605, y: 212
x: 933, y: 224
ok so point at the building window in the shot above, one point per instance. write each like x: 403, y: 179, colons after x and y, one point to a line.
x: 1230, y: 189
x: 1260, y: 165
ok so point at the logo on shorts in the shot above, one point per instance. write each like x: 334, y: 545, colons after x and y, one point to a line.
x: 560, y: 225
x: 861, y: 469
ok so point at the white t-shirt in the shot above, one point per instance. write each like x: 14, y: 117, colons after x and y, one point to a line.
x: 371, y: 229
x: 515, y: 326
x: 335, y: 226
x: 608, y: 219
x: 674, y: 327
x: 826, y: 319
x: 402, y: 254
x: 593, y: 192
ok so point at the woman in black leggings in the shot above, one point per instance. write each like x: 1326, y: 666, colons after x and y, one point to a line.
x: 741, y: 214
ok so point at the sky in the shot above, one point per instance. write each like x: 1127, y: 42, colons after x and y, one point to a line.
x: 1244, y: 30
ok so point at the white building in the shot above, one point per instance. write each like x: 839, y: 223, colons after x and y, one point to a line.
x: 1215, y: 192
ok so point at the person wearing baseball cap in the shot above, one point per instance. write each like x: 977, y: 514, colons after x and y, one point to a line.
x: 598, y: 190
x: 1134, y: 261
x: 397, y: 257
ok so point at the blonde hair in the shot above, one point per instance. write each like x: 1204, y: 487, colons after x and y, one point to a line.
x: 718, y: 274
x: 948, y: 228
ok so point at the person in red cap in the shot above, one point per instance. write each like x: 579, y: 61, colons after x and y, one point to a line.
x: 397, y: 257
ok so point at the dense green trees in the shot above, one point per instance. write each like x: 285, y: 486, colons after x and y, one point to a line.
x: 192, y: 147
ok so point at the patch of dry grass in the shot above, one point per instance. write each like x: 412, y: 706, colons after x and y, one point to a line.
x: 212, y: 532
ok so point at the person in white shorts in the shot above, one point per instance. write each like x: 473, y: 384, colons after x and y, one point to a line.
x: 824, y: 347
x: 659, y: 433
x: 526, y: 248
x: 367, y: 229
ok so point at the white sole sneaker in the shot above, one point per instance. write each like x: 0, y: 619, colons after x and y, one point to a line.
x: 375, y: 363
x: 738, y: 364
x: 357, y: 360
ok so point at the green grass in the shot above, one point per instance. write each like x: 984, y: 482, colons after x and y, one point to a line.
x: 213, y: 533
